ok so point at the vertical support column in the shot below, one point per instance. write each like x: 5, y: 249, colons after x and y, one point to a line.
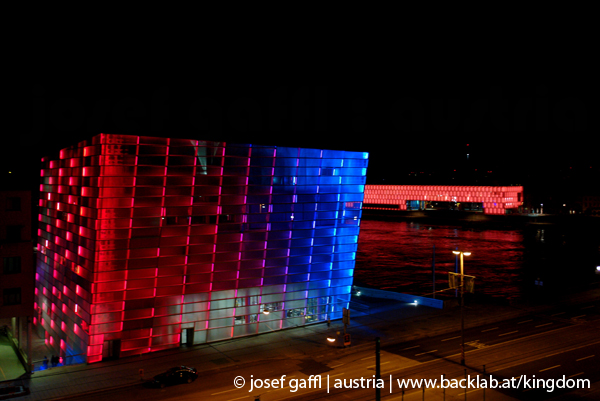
x: 187, y: 250
x: 29, y: 354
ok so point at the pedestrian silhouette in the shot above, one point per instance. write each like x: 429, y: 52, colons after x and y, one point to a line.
x: 45, y: 362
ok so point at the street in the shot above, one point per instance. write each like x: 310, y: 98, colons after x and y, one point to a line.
x: 560, y: 343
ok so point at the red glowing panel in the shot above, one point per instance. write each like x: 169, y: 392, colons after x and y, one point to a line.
x: 495, y: 200
x: 94, y: 358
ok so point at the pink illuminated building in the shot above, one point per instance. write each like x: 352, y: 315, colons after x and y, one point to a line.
x: 494, y: 200
x: 150, y: 243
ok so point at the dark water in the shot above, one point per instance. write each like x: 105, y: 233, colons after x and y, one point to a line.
x: 506, y: 262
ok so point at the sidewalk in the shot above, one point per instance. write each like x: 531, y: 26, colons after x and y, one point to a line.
x: 391, y: 321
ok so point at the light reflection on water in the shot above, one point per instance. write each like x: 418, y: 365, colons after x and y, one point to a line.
x: 506, y: 262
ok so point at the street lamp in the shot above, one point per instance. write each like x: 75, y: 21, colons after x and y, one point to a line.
x: 462, y: 304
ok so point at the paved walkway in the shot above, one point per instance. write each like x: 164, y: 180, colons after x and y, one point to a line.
x: 389, y: 320
x: 10, y: 365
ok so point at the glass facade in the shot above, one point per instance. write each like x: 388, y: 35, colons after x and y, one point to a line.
x: 495, y: 200
x: 149, y: 243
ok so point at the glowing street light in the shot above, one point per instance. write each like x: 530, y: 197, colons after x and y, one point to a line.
x: 462, y: 304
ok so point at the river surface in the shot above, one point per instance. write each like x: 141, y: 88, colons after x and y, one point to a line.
x: 508, y: 264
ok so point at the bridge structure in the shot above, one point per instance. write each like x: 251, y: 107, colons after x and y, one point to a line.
x: 495, y: 200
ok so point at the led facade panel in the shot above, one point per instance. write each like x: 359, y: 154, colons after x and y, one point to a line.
x: 495, y: 200
x: 150, y: 243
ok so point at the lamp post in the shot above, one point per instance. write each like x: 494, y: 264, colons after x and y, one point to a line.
x: 462, y: 304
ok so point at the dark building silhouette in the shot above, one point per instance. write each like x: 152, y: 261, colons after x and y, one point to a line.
x: 16, y: 269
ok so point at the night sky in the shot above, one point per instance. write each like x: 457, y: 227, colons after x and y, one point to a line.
x: 418, y: 129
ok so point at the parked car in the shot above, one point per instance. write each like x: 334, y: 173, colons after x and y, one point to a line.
x: 176, y: 375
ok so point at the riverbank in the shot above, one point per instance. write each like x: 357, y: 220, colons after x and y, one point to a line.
x: 465, y: 218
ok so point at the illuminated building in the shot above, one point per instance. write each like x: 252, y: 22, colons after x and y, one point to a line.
x: 151, y: 243
x: 591, y: 205
x: 494, y: 200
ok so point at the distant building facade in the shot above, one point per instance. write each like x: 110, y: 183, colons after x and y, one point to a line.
x: 16, y: 266
x: 150, y: 243
x: 591, y: 205
x: 493, y: 200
